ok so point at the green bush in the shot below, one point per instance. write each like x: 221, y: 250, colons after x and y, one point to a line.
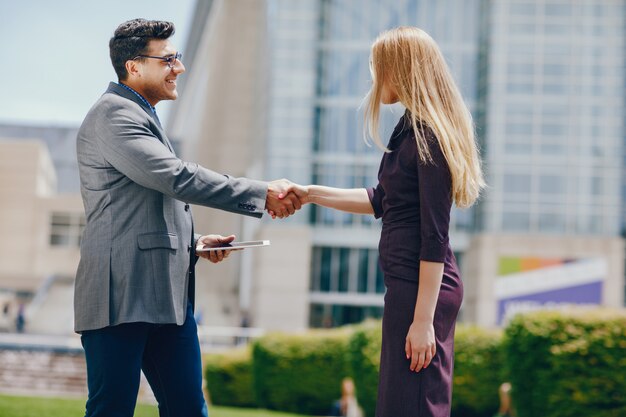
x: 478, y: 372
x: 228, y: 377
x: 364, y: 361
x: 568, y: 364
x: 300, y: 373
x: 478, y: 369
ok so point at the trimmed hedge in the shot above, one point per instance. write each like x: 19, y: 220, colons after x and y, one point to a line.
x: 478, y: 371
x: 300, y: 373
x: 568, y: 364
x: 364, y: 357
x: 228, y: 377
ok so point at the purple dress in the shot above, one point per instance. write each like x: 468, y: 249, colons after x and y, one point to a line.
x: 414, y: 200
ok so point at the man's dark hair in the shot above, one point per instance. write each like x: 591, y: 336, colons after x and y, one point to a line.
x: 131, y: 39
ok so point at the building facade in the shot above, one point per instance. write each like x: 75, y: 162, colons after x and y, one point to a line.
x: 40, y: 232
x: 546, y: 83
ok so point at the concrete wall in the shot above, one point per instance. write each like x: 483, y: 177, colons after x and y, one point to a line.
x: 219, y: 120
x: 27, y: 199
x: 280, y: 284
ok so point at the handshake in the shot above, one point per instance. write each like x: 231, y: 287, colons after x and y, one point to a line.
x: 284, y: 198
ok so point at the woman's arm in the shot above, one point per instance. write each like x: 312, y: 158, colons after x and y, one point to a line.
x: 420, y: 340
x: 435, y: 191
x: 351, y: 200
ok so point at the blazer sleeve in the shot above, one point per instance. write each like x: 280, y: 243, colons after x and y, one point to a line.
x: 126, y: 142
x: 435, y: 195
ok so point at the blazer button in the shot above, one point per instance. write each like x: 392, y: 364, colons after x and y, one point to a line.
x: 188, y: 248
x: 186, y: 207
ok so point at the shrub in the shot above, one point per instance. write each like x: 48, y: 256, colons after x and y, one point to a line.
x: 478, y: 372
x: 228, y: 377
x: 568, y: 364
x: 478, y: 369
x: 300, y: 373
x: 364, y: 361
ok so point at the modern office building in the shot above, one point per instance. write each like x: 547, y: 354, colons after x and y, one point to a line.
x: 551, y: 94
x: 279, y: 84
x: 296, y: 112
x: 553, y: 86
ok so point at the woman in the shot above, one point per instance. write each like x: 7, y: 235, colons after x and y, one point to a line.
x: 431, y: 160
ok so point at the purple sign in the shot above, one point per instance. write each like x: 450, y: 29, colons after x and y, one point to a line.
x: 589, y: 294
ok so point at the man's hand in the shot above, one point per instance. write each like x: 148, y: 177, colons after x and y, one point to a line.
x: 280, y: 202
x: 212, y: 241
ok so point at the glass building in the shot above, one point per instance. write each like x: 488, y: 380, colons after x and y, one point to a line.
x: 552, y: 89
x: 319, y: 77
x: 544, y: 79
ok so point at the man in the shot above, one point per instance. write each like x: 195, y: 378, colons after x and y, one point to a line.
x: 135, y: 282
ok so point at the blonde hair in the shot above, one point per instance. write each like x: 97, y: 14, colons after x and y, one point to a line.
x: 410, y: 62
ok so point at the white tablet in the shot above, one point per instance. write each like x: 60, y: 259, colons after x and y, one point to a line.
x: 236, y: 245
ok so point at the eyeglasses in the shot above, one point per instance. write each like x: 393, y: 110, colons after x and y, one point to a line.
x: 170, y: 60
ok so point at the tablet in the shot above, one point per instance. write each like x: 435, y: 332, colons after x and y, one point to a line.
x: 236, y: 245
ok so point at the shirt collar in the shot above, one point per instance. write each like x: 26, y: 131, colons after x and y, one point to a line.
x: 142, y: 98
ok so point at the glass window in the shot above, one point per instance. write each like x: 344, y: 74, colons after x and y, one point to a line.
x: 551, y: 222
x: 562, y: 10
x: 551, y: 184
x: 555, y: 28
x: 555, y: 69
x: 551, y: 148
x: 527, y: 8
x: 521, y: 110
x: 517, y: 148
x: 559, y: 49
x: 344, y: 269
x: 521, y: 88
x: 521, y: 68
x: 516, y: 183
x: 515, y: 221
x: 66, y: 229
x: 597, y: 185
x: 522, y: 28
x: 518, y: 128
x: 555, y: 88
x: 553, y: 129
x: 363, y: 272
x: 555, y: 110
x: 332, y: 269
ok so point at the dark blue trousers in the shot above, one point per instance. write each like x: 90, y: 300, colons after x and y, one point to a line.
x: 169, y: 356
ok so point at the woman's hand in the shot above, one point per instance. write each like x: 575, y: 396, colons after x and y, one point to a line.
x: 211, y: 241
x: 300, y: 192
x: 420, y: 344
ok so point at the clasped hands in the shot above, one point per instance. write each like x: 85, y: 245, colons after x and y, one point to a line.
x: 284, y: 198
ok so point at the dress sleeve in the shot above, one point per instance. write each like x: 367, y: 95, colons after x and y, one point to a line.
x: 376, y: 195
x: 435, y: 194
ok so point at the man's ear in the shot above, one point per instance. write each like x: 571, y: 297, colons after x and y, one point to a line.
x: 133, y: 68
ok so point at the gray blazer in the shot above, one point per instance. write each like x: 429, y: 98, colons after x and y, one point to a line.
x: 137, y: 251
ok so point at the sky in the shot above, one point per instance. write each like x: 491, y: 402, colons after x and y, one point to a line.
x: 56, y: 55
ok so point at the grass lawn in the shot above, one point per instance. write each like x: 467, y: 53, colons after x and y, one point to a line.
x: 13, y: 406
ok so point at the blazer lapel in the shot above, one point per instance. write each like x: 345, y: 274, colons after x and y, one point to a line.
x: 115, y: 88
